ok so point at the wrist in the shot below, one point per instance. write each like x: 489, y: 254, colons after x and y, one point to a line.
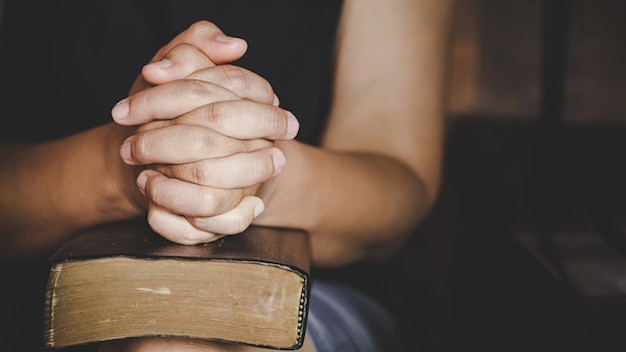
x: 121, y: 196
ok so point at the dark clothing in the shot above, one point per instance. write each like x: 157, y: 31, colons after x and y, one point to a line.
x: 64, y: 64
x: 68, y: 62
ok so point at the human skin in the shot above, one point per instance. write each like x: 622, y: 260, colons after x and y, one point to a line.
x: 52, y: 190
x: 375, y: 175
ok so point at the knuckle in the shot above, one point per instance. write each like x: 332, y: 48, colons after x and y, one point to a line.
x: 210, y: 204
x: 200, y: 140
x: 200, y: 174
x: 276, y: 120
x: 236, y: 78
x: 202, y: 27
x: 195, y: 89
x: 220, y: 201
x: 261, y: 170
x: 187, y: 172
x: 217, y: 115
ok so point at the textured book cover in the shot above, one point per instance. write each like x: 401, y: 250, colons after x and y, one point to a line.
x: 124, y: 280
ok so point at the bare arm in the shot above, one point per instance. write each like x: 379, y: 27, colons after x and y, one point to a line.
x: 377, y: 173
x: 50, y: 190
x: 359, y: 194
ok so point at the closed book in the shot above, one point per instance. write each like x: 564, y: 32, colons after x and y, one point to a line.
x: 124, y: 280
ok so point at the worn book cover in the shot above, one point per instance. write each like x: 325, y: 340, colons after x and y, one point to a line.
x: 124, y: 280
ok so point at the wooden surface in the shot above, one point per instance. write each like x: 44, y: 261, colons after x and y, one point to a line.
x: 495, y: 69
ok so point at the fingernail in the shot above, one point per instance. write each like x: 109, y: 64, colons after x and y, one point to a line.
x: 120, y: 110
x: 292, y: 126
x: 163, y: 64
x: 276, y: 100
x: 125, y: 153
x: 259, y: 208
x: 142, y: 181
x: 278, y: 158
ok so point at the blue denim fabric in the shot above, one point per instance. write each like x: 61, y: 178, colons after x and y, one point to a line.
x: 342, y: 319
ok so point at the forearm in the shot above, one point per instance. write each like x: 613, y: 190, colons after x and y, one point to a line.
x: 356, y: 206
x: 52, y: 189
x: 377, y: 172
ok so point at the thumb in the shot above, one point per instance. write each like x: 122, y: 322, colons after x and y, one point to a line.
x: 210, y: 40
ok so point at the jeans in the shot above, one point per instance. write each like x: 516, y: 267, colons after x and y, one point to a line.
x: 343, y: 319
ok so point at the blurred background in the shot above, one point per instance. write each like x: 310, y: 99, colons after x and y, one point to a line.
x: 526, y: 247
x: 525, y: 250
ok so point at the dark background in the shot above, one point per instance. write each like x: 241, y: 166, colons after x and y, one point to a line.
x: 525, y: 249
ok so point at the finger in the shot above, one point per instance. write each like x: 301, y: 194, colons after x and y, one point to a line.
x: 186, y: 61
x: 186, y: 198
x: 179, y: 144
x: 168, y: 101
x: 241, y: 119
x: 177, y: 228
x: 178, y: 63
x: 243, y: 82
x: 192, y: 231
x: 209, y: 39
x: 236, y: 171
x: 234, y: 221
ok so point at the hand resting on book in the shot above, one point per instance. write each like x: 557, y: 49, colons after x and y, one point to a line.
x: 204, y: 149
x: 229, y: 120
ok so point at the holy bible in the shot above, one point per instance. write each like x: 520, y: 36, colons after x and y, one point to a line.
x: 124, y: 280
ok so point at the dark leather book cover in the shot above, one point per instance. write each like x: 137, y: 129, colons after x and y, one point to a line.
x: 279, y: 246
x: 124, y: 280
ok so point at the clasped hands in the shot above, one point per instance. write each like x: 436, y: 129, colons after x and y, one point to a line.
x: 206, y: 136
